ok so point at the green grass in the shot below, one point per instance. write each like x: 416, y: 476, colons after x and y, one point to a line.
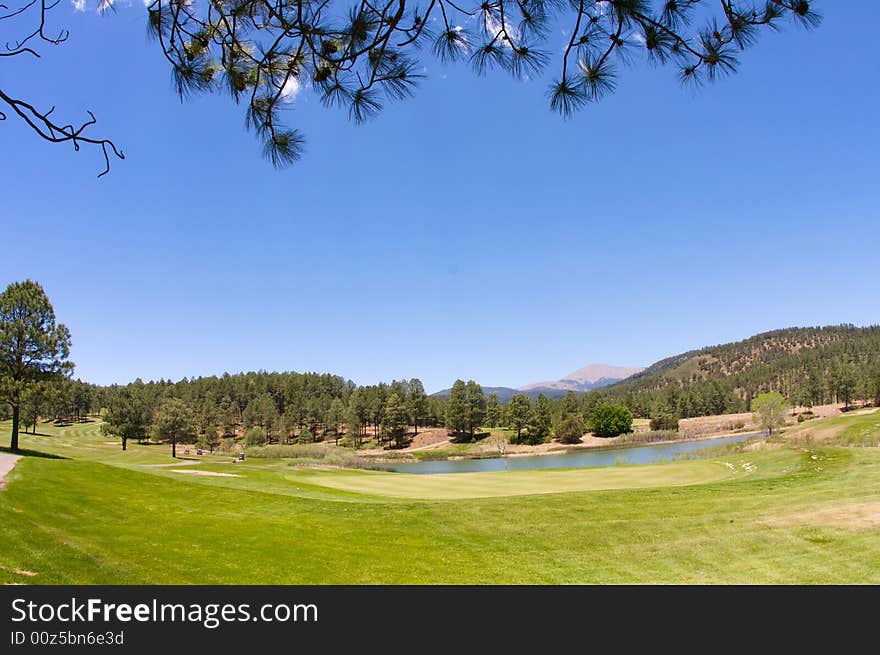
x: 863, y: 430
x: 519, y: 483
x: 106, y: 517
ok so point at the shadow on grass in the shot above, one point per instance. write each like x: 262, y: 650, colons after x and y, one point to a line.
x: 24, y: 452
x: 466, y: 438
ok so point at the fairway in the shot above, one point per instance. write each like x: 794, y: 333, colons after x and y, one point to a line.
x: 772, y: 514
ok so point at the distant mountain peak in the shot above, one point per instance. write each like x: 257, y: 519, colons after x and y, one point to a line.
x: 584, y: 379
x: 595, y: 372
x: 587, y: 378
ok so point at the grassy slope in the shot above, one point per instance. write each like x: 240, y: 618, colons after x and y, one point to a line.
x: 858, y: 430
x: 102, y: 517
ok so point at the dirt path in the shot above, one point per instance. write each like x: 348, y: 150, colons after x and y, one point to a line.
x: 437, y: 444
x: 6, y: 464
x: 426, y: 439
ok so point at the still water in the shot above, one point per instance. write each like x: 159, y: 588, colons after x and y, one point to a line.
x: 636, y: 455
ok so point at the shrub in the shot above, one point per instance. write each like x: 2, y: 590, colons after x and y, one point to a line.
x: 664, y: 421
x: 611, y: 420
x: 570, y: 430
x: 254, y: 437
x: 313, y: 454
x: 226, y: 445
x: 801, y: 418
x: 651, y: 436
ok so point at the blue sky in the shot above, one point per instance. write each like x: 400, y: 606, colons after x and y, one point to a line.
x: 468, y: 232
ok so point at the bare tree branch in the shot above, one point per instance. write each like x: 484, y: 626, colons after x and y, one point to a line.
x: 41, y: 122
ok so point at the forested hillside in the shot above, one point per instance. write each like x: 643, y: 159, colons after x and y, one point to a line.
x: 809, y: 366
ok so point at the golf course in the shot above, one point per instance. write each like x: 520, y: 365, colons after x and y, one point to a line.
x: 802, y: 507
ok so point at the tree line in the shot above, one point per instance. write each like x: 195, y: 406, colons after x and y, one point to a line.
x: 807, y: 366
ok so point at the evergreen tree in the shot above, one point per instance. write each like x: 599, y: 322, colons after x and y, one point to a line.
x: 227, y: 415
x: 32, y: 404
x: 33, y: 347
x: 418, y: 402
x: 394, y: 417
x: 540, y: 421
x: 476, y: 407
x: 335, y: 417
x: 568, y: 406
x: 289, y: 424
x: 356, y: 416
x: 354, y: 423
x: 458, y: 409
x: 591, y: 401
x: 127, y: 415
x: 493, y: 411
x: 844, y: 382
x: 305, y: 435
x: 209, y: 438
x: 173, y: 420
x: 571, y: 430
x: 519, y: 411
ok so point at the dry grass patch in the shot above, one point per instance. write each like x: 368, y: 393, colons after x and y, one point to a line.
x: 856, y: 516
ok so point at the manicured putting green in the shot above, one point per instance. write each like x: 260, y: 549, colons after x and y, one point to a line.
x: 519, y: 483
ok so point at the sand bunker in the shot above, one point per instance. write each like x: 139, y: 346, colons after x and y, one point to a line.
x: 209, y: 473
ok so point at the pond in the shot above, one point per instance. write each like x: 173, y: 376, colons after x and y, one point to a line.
x: 631, y: 455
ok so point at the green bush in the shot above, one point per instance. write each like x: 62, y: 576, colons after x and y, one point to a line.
x: 664, y: 421
x: 611, y: 420
x: 570, y: 430
x: 254, y: 437
x: 227, y: 445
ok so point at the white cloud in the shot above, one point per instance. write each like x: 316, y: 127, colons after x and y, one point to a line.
x: 493, y: 28
x: 79, y: 5
x: 104, y: 5
x: 638, y: 36
x: 601, y: 8
x: 291, y: 89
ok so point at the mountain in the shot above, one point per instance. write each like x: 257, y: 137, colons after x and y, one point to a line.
x: 592, y: 376
x: 809, y: 366
x: 584, y: 379
x: 504, y: 393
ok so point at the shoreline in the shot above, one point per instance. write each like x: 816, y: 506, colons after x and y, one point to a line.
x: 559, y: 449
